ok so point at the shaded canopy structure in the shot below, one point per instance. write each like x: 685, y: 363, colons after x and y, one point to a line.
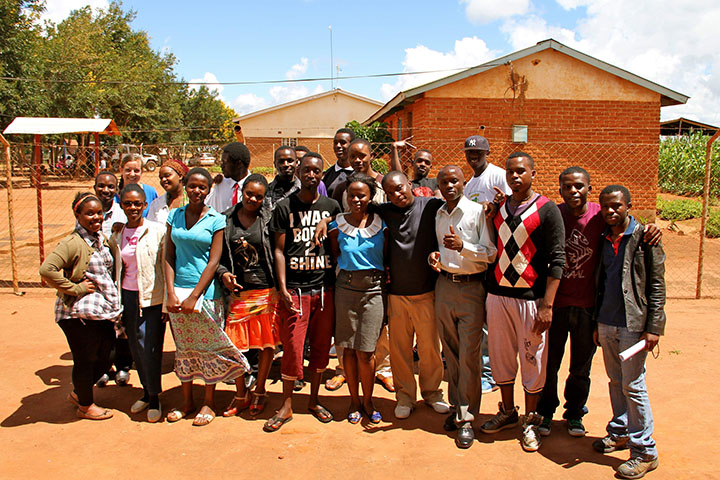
x: 684, y: 126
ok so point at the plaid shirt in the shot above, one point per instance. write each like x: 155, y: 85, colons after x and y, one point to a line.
x: 104, y: 303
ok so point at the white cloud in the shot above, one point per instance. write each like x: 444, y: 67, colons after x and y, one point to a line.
x: 248, y: 102
x: 298, y: 69
x: 670, y: 42
x: 210, y: 81
x: 468, y: 52
x: 486, y: 11
x: 288, y: 92
x: 57, y: 10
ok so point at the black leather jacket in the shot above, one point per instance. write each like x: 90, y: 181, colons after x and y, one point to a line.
x: 643, y: 285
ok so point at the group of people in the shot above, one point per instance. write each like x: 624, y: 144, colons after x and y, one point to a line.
x: 385, y: 270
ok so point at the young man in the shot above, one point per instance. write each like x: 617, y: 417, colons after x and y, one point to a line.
x: 411, y: 295
x: 465, y: 250
x: 422, y: 185
x: 522, y: 287
x: 481, y: 189
x: 235, y: 163
x: 336, y: 175
x: 575, y: 301
x: 285, y: 182
x: 105, y: 188
x: 300, y: 152
x: 106, y: 185
x: 631, y: 308
x: 305, y: 279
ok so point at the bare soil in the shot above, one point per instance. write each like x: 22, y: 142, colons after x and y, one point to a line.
x: 42, y: 438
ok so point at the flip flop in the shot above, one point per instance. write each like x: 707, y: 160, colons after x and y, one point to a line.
x: 375, y: 417
x: 89, y: 416
x: 274, y: 423
x: 335, y: 382
x: 237, y: 405
x: 354, y: 417
x: 321, y: 413
x: 204, y: 417
x: 176, y: 414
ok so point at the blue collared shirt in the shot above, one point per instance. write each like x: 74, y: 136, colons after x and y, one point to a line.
x: 612, y: 310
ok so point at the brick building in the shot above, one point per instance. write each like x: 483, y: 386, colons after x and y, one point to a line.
x: 563, y: 107
x: 310, y: 121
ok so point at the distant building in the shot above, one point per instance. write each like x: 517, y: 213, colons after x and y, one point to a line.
x: 310, y: 121
x: 562, y: 106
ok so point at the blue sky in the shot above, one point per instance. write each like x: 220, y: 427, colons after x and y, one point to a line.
x: 671, y: 42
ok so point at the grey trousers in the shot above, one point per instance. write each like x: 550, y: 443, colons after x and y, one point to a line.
x: 460, y: 315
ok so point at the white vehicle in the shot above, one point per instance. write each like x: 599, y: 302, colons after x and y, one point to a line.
x: 205, y: 159
x: 150, y: 161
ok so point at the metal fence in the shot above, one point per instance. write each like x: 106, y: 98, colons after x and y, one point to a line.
x: 42, y: 214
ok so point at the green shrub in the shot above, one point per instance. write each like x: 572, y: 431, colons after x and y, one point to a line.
x: 713, y: 224
x: 681, y: 209
x: 379, y: 165
x: 266, y: 171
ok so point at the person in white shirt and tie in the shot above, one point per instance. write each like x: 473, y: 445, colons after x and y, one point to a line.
x: 235, y: 164
x: 465, y: 250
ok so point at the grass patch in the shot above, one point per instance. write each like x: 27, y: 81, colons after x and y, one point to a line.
x: 680, y: 209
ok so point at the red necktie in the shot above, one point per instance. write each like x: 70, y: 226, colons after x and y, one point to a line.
x: 236, y: 197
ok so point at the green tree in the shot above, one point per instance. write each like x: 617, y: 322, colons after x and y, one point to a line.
x: 206, y: 117
x: 379, y: 136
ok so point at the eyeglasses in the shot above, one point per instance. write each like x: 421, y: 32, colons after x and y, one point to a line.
x: 133, y: 204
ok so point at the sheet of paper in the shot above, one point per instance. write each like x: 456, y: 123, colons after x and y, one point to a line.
x: 183, y: 293
x: 638, y: 347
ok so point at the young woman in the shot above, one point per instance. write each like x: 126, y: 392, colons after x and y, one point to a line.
x: 140, y: 245
x: 131, y: 167
x: 194, y: 241
x: 82, y: 269
x: 246, y: 270
x: 171, y: 175
x: 357, y: 240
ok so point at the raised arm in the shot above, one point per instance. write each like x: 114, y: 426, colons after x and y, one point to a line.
x: 173, y: 304
x: 280, y: 267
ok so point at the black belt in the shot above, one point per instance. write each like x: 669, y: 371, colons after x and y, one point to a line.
x: 463, y: 277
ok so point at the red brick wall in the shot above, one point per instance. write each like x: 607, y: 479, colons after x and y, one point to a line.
x: 617, y: 142
x: 262, y: 149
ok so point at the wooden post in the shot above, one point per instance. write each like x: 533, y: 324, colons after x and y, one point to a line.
x: 97, y: 153
x: 11, y: 215
x: 703, y: 223
x: 38, y: 188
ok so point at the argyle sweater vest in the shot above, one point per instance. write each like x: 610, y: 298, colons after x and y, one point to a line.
x: 531, y: 247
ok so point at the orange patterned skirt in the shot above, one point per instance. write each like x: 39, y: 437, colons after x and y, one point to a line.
x: 252, y: 319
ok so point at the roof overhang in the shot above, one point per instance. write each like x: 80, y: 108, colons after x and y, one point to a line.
x: 47, y: 126
x: 681, y: 126
x: 667, y: 97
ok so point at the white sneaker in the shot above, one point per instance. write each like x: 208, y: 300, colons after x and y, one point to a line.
x: 531, y: 433
x: 440, y: 406
x: 402, y: 412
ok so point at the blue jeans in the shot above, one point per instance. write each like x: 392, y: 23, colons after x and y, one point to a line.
x: 146, y: 335
x: 632, y: 416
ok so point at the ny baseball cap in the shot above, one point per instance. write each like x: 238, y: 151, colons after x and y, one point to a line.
x: 477, y: 142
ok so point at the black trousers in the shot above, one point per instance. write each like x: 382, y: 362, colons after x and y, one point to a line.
x: 577, y: 323
x: 91, y: 343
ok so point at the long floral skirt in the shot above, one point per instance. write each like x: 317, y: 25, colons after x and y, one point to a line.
x: 203, y: 350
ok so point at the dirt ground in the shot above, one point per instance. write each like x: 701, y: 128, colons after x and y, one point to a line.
x: 42, y: 438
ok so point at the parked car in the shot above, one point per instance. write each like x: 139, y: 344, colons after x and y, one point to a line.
x: 150, y: 161
x: 205, y: 159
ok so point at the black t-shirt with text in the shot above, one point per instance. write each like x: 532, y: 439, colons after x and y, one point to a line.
x: 307, y: 265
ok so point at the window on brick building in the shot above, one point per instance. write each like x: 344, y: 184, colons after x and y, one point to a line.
x: 290, y: 142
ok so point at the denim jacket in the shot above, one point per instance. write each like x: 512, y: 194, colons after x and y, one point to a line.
x: 643, y: 283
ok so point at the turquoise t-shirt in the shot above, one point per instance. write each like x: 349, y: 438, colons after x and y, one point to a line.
x: 192, y: 248
x: 360, y: 248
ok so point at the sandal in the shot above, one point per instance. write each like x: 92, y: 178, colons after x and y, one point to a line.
x: 237, y: 405
x: 176, y: 414
x: 354, y: 417
x: 335, y: 382
x: 89, y: 416
x: 73, y: 398
x: 204, y: 417
x: 321, y: 413
x: 274, y: 423
x: 257, y: 405
x: 386, y: 382
x: 375, y: 417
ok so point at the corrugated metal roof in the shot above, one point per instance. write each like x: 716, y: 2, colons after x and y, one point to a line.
x: 46, y: 126
x: 667, y: 96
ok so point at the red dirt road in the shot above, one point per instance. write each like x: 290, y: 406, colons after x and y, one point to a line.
x: 41, y: 438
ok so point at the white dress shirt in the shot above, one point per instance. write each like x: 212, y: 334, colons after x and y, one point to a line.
x: 221, y: 195
x: 468, y: 221
x: 111, y: 217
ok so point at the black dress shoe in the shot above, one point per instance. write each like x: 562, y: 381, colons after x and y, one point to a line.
x: 450, y: 425
x: 465, y: 436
